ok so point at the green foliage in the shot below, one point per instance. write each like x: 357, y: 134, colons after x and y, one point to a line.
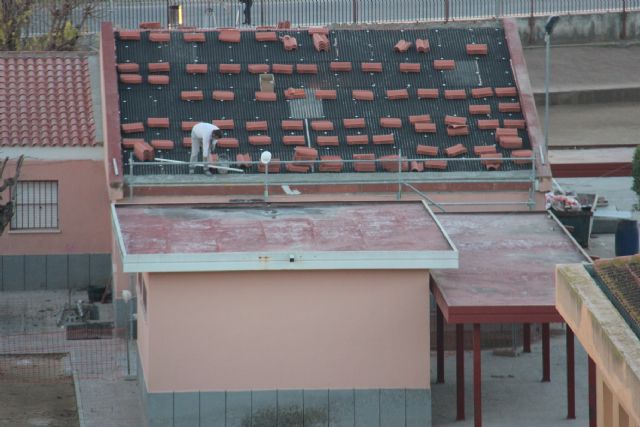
x: 15, y: 16
x: 635, y: 171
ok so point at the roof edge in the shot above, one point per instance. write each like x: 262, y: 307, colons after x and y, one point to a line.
x: 527, y: 101
x: 110, y: 112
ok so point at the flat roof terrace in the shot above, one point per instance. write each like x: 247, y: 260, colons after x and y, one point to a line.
x: 301, y: 236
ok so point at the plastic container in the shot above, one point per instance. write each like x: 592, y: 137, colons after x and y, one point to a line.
x: 627, y: 237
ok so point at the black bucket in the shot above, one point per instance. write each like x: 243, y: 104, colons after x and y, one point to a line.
x: 627, y: 237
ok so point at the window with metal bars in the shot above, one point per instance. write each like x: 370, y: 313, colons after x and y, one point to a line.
x: 36, y: 205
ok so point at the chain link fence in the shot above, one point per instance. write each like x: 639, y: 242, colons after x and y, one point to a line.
x: 230, y: 13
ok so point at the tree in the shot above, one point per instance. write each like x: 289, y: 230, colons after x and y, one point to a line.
x: 7, y: 209
x: 15, y: 17
x: 635, y: 172
x: 63, y: 21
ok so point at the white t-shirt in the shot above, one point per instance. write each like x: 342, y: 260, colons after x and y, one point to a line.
x: 205, y: 132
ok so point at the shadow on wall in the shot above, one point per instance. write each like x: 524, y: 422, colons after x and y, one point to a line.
x: 588, y: 28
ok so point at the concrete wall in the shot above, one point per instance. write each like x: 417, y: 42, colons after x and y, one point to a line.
x: 83, y: 211
x: 587, y: 28
x: 286, y: 330
x: 607, y: 339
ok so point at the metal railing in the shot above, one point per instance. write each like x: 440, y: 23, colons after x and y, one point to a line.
x: 397, y: 172
x: 229, y: 13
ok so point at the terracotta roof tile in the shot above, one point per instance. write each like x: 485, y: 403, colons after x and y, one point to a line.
x: 357, y: 139
x: 386, y: 139
x: 257, y: 126
x: 46, y: 90
x: 150, y: 25
x: 477, y: 49
x: 266, y: 36
x: 307, y: 68
x: 395, y: 94
x: 159, y: 37
x: 293, y: 140
x: 422, y: 45
x: 223, y: 95
x: 409, y: 67
x: 194, y: 37
x: 191, y: 95
x: 455, y: 94
x: 514, y: 123
x: 266, y: 96
x: 130, y: 142
x: 509, y: 107
x: 420, y: 118
x: 289, y: 125
x: 224, y: 124
x: 136, y: 127
x: 129, y: 35
x: 197, y: 68
x: 488, y: 124
x: 480, y: 109
x: 282, y: 69
x: 340, y: 66
x: 456, y: 150
x: 228, y: 143
x: 143, y: 151
x: 188, y: 125
x: 327, y: 141
x: 371, y: 67
x: 363, y: 95
x: 229, y: 68
x: 294, y: 93
x: 258, y: 68
x: 482, y: 92
x: 402, y: 46
x: 425, y: 93
x: 260, y: 140
x: 425, y: 127
x: 131, y: 79
x: 159, y: 67
x: 509, y: 91
x: 390, y: 122
x: 426, y: 150
x: 364, y: 162
x: 435, y: 164
x: 158, y: 122
x: 522, y: 153
x: 331, y: 164
x: 162, y: 144
x: 444, y: 64
x: 229, y: 36
x: 500, y: 132
x: 321, y: 125
x: 158, y: 79
x: 321, y: 42
x: 390, y: 163
x: 128, y: 67
x: 358, y: 123
x: 289, y: 42
x: 326, y: 94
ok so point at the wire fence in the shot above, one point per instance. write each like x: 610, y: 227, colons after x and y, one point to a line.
x: 50, y: 356
x: 34, y: 348
x: 128, y: 14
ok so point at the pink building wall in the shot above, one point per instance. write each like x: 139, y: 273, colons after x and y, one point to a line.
x: 285, y: 330
x: 83, y: 211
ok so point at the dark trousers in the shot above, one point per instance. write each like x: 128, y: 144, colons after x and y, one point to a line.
x: 247, y: 11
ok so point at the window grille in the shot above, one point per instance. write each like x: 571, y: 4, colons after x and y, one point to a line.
x: 36, y: 205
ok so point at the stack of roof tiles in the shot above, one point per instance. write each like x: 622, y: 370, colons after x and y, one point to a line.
x: 45, y: 100
x: 355, y: 97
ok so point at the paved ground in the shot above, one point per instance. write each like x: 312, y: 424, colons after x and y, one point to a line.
x: 611, y: 124
x: 511, y: 390
x: 585, y: 67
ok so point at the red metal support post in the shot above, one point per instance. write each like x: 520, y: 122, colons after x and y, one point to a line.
x: 526, y: 337
x: 439, y: 346
x: 546, y: 353
x: 477, y: 377
x: 593, y: 402
x: 571, y: 376
x: 460, y: 371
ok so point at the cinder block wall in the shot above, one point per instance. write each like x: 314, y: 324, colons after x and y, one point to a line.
x: 46, y: 272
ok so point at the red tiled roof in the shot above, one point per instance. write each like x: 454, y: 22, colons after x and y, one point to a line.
x: 45, y: 101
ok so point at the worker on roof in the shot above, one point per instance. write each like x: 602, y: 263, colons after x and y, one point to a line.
x: 247, y: 11
x: 205, y: 135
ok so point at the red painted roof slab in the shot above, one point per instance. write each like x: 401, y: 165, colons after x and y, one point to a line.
x: 506, y: 267
x: 45, y: 100
x: 394, y: 235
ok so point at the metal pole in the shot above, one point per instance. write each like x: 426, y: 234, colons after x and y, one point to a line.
x: 399, y: 195
x: 546, y: 356
x: 571, y: 376
x: 477, y: 377
x: 547, y: 60
x: 129, y: 338
x: 266, y: 182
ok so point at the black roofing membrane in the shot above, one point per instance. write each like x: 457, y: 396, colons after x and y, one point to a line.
x: 139, y: 102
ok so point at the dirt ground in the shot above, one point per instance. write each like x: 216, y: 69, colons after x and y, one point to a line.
x: 51, y: 404
x: 36, y: 391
